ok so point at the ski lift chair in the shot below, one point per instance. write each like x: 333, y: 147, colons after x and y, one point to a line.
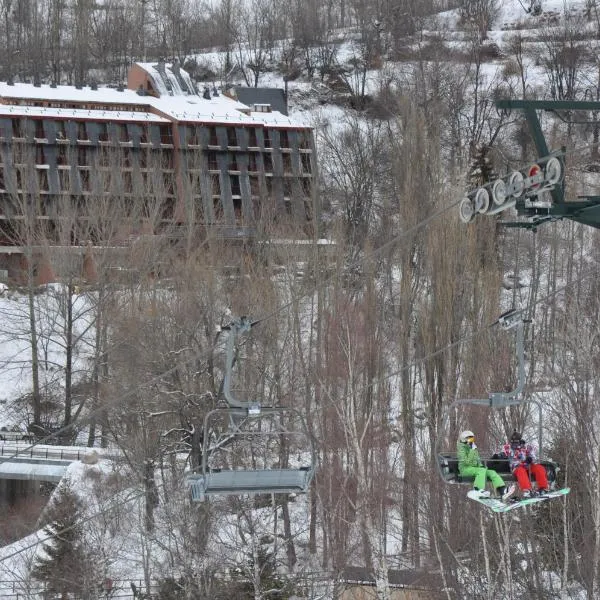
x: 241, y: 444
x: 245, y: 456
x: 447, y: 462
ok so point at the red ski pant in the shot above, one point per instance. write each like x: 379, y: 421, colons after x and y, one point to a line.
x: 537, y: 471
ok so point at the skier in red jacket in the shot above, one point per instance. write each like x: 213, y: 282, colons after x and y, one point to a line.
x: 523, y: 466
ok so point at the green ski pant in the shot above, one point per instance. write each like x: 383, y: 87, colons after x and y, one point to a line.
x: 481, y: 474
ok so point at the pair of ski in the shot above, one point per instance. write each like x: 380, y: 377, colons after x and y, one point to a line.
x: 499, y: 506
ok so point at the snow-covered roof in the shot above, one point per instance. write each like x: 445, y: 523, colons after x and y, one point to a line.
x: 80, y: 114
x: 180, y: 102
x: 71, y: 93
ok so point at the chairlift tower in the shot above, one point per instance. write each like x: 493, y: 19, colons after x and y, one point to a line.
x: 537, y: 191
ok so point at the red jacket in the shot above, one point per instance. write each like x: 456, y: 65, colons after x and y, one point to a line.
x: 518, y: 456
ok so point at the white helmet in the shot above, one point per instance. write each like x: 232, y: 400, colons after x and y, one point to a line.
x: 465, y: 435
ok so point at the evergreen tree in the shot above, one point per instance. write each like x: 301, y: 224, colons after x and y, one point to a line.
x: 64, y: 565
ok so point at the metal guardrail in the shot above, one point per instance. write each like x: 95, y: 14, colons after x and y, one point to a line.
x: 19, y: 449
x: 119, y: 588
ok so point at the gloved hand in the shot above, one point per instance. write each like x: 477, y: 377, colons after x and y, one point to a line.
x: 528, y: 460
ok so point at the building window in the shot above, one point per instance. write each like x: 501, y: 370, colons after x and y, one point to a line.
x: 82, y: 133
x: 61, y: 133
x: 168, y: 184
x: 218, y: 210
x: 307, y: 187
x: 306, y: 166
x: 166, y: 134
x: 103, y: 132
x: 252, y: 138
x: 287, y: 163
x: 254, y: 185
x: 122, y: 133
x: 40, y: 156
x: 304, y: 140
x: 287, y: 188
x: 83, y: 157
x: 127, y: 182
x: 2, y: 186
x: 215, y: 183
x: 213, y: 164
x: 62, y: 158
x: 233, y: 164
x: 43, y: 180
x: 143, y: 134
x: 252, y: 163
x: 267, y: 137
x: 268, y: 163
x: 284, y: 141
x: 84, y: 177
x: 39, y: 130
x: 17, y: 128
x: 231, y: 136
x: 64, y: 181
x: 213, y: 140
x: 235, y: 185
x: 192, y: 135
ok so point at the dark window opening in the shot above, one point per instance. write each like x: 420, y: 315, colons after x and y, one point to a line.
x: 61, y: 133
x: 143, y: 134
x: 192, y: 136
x: 233, y: 164
x: 231, y: 136
x: 287, y: 163
x: 17, y: 128
x: 218, y: 210
x: 122, y: 133
x: 43, y: 180
x: 213, y: 140
x: 40, y: 156
x: 127, y: 182
x: 252, y: 138
x: 82, y: 133
x: 268, y: 163
x: 267, y: 137
x: 168, y: 184
x: 254, y: 186
x: 61, y: 157
x: 215, y: 185
x: 39, y: 129
x: 306, y: 166
x: 307, y: 187
x: 64, y: 181
x: 235, y: 185
x: 103, y: 132
x: 166, y: 134
x: 284, y: 141
x: 213, y: 164
x: 84, y: 177
x: 287, y: 188
x: 252, y: 163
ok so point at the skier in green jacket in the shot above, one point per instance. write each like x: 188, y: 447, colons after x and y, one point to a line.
x: 470, y: 465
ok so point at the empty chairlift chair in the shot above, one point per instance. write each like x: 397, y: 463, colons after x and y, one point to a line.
x: 249, y: 449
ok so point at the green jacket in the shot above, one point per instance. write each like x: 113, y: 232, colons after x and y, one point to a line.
x: 467, y: 456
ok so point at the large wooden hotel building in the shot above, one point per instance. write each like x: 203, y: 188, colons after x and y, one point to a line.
x: 158, y: 156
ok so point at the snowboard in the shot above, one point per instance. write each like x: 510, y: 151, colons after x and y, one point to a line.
x: 498, y: 506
